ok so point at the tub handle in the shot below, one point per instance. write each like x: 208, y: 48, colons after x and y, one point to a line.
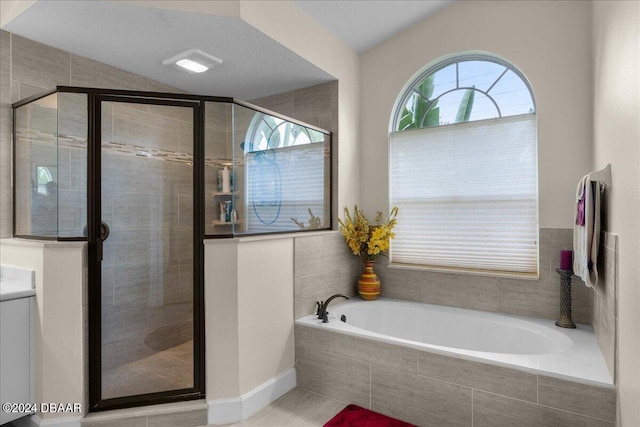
x: 319, y: 308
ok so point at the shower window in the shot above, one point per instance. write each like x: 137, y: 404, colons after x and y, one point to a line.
x: 265, y: 174
x: 463, y: 169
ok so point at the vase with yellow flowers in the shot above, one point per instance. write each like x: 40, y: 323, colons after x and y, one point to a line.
x: 368, y: 241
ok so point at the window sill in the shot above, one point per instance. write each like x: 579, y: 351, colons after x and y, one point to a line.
x: 466, y: 271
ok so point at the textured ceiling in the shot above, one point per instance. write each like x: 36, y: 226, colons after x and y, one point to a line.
x: 362, y: 24
x: 137, y: 39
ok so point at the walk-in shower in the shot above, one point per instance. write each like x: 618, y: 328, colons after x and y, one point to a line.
x: 144, y: 178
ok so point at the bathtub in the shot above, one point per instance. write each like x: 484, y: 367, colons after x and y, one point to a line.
x: 528, y: 344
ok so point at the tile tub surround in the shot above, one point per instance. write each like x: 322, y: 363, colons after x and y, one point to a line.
x: 431, y: 389
x: 323, y: 266
x: 605, y: 312
x: 523, y: 297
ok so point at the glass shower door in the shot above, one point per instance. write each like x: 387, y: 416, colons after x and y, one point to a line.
x: 146, y: 193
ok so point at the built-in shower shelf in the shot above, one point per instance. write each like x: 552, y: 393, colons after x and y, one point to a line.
x: 216, y: 222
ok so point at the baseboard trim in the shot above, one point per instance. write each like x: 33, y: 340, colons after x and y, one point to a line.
x: 225, y: 411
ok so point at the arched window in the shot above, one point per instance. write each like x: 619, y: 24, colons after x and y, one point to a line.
x: 463, y: 168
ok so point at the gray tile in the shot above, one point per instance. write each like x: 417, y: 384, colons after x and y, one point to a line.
x: 308, y: 253
x: 334, y: 376
x: 419, y: 400
x: 184, y: 114
x: 589, y: 400
x: 314, y: 288
x: 27, y: 90
x: 312, y: 337
x: 281, y: 103
x: 496, y: 379
x: 475, y: 292
x: 604, y: 325
x: 297, y: 408
x: 140, y: 128
x: 313, y: 100
x: 155, y: 86
x: 131, y: 210
x: 607, y: 284
x: 122, y: 173
x: 140, y: 421
x: 545, y: 253
x: 39, y: 65
x: 125, y: 247
x: 126, y: 320
x: 335, y: 252
x: 553, y: 417
x: 5, y: 80
x: 5, y: 43
x: 528, y: 298
x: 399, y: 283
x: 192, y: 418
x: 392, y: 356
x: 490, y: 410
x: 582, y: 300
x: 89, y: 73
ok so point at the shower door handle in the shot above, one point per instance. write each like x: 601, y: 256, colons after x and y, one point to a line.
x: 104, y: 231
x: 104, y: 234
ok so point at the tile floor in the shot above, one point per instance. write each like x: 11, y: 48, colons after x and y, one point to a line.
x: 298, y: 408
x: 170, y: 369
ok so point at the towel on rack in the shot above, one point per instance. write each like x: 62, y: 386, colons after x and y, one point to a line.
x: 586, y: 231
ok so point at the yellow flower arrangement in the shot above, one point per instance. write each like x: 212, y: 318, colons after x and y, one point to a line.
x: 364, y: 240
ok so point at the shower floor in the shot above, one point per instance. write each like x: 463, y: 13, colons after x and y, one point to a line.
x: 171, y: 369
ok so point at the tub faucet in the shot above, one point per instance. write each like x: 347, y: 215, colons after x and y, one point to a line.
x: 322, y: 307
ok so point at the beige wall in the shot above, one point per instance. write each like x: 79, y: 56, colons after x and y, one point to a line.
x: 249, y: 306
x: 548, y: 41
x: 616, y: 65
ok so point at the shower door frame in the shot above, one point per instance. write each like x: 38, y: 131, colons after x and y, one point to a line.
x: 95, y: 251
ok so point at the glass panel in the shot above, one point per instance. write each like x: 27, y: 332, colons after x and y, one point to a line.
x: 480, y: 74
x: 218, y: 156
x: 72, y: 164
x: 512, y: 95
x: 36, y: 168
x: 454, y: 104
x: 147, y: 288
x: 444, y: 80
x: 282, y: 172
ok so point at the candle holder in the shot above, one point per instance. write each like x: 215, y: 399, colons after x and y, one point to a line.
x: 565, y: 299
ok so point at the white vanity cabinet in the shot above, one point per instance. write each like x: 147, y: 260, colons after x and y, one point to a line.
x: 16, y: 346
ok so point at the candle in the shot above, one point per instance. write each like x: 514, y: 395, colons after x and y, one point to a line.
x: 566, y: 260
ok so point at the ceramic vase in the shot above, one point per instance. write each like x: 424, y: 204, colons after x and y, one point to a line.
x: 369, y: 284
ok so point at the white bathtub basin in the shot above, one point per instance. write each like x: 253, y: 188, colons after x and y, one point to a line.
x: 530, y: 344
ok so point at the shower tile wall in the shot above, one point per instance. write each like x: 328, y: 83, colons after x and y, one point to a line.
x: 218, y: 139
x: 6, y: 204
x: 28, y: 68
x: 147, y: 270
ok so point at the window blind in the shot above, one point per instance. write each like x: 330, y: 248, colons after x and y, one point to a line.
x: 467, y: 195
x: 284, y: 183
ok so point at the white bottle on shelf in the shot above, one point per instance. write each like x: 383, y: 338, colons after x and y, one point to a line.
x: 226, y: 180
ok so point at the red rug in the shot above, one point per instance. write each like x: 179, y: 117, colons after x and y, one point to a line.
x: 355, y: 416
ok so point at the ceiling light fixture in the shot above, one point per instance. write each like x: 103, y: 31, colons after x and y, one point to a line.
x: 193, y: 61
